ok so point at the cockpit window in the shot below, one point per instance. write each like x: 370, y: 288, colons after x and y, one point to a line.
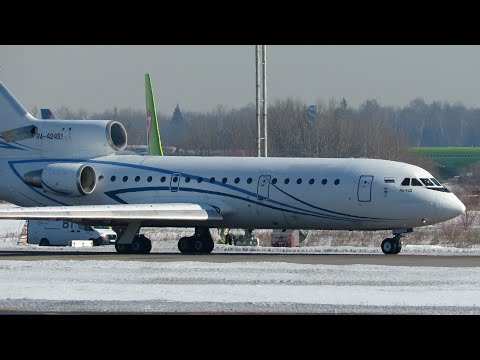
x: 430, y: 183
x: 433, y: 184
x: 435, y: 181
x: 427, y: 182
x: 415, y: 182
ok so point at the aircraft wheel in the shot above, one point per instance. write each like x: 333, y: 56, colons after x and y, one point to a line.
x: 184, y: 245
x: 122, y: 248
x: 399, y: 246
x: 137, y: 245
x: 147, y: 245
x: 389, y: 246
x: 209, y: 245
x: 199, y: 245
x: 44, y: 242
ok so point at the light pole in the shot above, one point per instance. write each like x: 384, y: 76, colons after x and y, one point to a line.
x: 261, y: 97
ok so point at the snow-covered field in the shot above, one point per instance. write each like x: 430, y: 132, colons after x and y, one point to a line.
x: 107, y: 286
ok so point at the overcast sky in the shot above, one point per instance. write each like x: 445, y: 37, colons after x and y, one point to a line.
x: 201, y: 77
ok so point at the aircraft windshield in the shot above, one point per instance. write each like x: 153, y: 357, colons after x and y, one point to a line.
x: 430, y: 183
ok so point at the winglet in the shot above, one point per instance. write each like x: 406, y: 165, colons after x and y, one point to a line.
x: 153, y: 132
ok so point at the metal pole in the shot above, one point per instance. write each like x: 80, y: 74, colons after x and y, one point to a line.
x: 264, y: 84
x: 257, y: 79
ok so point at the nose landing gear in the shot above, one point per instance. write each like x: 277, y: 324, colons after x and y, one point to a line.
x: 392, y: 245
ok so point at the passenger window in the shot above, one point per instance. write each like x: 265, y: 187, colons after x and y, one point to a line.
x: 187, y: 179
x: 175, y: 179
x: 406, y: 182
x: 287, y: 180
x: 274, y: 181
x: 100, y: 178
x: 324, y: 181
x: 415, y: 182
x: 163, y: 178
x: 212, y: 179
x: 137, y: 178
x: 125, y: 178
x: 199, y: 180
x: 311, y: 181
x: 237, y: 180
x: 224, y: 180
x: 113, y: 178
x: 149, y: 179
x: 249, y: 180
x: 336, y: 182
x: 299, y: 181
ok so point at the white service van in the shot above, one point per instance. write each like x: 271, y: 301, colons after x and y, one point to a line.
x: 45, y: 233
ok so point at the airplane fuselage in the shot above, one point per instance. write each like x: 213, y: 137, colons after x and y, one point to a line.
x: 334, y: 193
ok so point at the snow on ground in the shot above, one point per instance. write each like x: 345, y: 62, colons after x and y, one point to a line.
x: 193, y: 287
x: 234, y: 287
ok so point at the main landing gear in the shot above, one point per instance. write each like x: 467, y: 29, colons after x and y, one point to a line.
x: 139, y: 245
x: 131, y: 242
x: 394, y: 245
x: 200, y: 243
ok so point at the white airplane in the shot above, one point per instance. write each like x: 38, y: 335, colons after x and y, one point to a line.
x: 77, y: 170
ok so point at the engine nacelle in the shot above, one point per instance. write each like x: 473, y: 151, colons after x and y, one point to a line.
x: 84, y: 138
x: 68, y: 179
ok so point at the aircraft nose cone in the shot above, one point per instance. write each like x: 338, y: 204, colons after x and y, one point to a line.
x: 460, y: 207
x: 451, y: 207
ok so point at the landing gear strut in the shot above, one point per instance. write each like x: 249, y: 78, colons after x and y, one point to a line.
x: 200, y: 243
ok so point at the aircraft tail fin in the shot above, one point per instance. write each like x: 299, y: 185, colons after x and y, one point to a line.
x: 46, y: 114
x: 153, y: 132
x: 12, y: 114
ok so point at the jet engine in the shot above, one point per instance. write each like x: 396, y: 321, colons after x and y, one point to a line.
x: 64, y: 179
x: 84, y: 138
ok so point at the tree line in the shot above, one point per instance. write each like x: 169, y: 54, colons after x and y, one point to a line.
x: 338, y: 130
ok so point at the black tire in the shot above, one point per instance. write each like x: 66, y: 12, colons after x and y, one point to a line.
x: 44, y: 242
x: 209, y: 246
x: 199, y: 245
x: 184, y: 245
x: 137, y: 245
x: 147, y: 245
x: 122, y: 248
x: 389, y: 246
x: 399, y: 247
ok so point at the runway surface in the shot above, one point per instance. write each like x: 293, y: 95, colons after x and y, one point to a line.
x: 294, y: 258
x: 239, y: 280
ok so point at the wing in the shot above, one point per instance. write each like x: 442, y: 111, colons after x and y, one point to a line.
x: 170, y: 214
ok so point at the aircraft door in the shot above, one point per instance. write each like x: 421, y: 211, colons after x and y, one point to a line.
x: 365, y: 188
x: 175, y: 182
x: 263, y: 187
